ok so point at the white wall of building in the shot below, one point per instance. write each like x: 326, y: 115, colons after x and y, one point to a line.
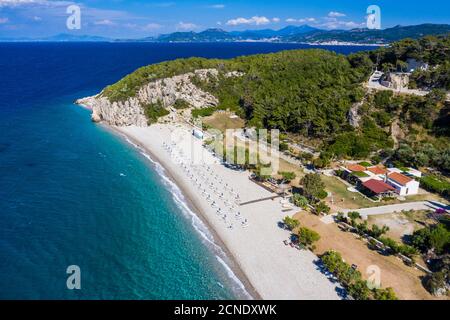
x: 411, y: 188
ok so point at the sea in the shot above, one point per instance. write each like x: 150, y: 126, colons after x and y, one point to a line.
x: 73, y: 193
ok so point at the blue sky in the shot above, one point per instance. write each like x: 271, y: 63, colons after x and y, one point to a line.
x: 139, y: 18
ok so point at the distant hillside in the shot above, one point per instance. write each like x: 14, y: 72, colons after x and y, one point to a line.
x: 300, y: 34
x: 219, y: 35
x: 373, y: 36
x: 309, y: 34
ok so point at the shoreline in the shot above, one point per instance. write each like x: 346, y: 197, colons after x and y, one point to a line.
x: 196, y: 209
x: 267, y: 268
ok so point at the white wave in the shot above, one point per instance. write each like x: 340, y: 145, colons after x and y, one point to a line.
x: 233, y: 276
x: 196, y: 222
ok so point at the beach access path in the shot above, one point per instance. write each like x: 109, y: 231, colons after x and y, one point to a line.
x: 393, y: 208
x: 274, y: 270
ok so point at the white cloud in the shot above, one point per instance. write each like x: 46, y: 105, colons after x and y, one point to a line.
x: 186, y: 26
x: 36, y: 18
x: 336, y: 24
x: 105, y: 22
x: 276, y: 20
x: 307, y: 20
x: 303, y: 20
x: 336, y: 14
x: 256, y: 20
x: 148, y: 27
x: 4, y: 20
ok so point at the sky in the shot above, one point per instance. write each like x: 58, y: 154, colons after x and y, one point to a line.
x: 142, y: 18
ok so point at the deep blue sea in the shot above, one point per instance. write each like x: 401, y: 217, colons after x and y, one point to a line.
x: 73, y: 193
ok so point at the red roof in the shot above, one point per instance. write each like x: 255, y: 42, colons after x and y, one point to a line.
x: 377, y: 186
x: 400, y: 178
x: 378, y: 170
x: 356, y: 168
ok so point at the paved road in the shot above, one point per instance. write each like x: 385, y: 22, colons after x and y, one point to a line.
x: 421, y: 205
x: 365, y: 212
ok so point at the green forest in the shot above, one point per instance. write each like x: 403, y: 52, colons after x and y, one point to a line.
x: 310, y: 92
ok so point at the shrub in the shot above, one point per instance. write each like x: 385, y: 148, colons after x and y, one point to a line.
x: 307, y: 157
x: 351, y: 279
x: 300, y: 201
x: 322, y: 195
x: 308, y: 237
x: 288, y: 176
x: 385, y: 294
x: 359, y: 290
x: 354, y: 215
x: 312, y: 185
x: 154, y: 111
x: 361, y: 228
x: 391, y: 243
x: 434, y: 237
x: 203, y: 112
x: 408, y: 251
x: 322, y: 207
x: 181, y: 104
x: 377, y: 232
x: 435, y: 184
x: 291, y: 223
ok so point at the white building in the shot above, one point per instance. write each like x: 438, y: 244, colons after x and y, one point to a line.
x: 403, y: 185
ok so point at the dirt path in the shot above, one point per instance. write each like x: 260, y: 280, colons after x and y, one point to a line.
x: 403, y: 279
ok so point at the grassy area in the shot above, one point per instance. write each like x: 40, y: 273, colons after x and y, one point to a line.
x: 342, y: 197
x: 365, y: 164
x: 222, y: 121
x: 360, y: 174
x: 289, y: 167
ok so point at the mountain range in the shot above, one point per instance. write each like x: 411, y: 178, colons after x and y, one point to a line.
x: 301, y: 34
x: 308, y: 34
x: 219, y: 35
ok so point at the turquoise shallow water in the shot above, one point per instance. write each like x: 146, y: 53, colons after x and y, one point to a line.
x: 74, y: 193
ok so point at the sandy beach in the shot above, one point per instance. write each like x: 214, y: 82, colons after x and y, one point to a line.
x: 250, y: 232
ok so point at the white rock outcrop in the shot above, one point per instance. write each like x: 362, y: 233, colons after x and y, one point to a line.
x: 166, y: 91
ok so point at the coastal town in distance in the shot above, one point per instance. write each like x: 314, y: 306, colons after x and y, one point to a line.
x: 299, y: 152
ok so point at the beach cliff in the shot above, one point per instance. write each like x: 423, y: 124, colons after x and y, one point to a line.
x: 166, y: 91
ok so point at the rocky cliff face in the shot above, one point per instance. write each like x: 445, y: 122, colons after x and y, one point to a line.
x: 353, y: 115
x: 166, y: 91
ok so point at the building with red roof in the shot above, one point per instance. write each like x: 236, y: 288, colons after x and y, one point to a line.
x: 405, y: 186
x: 378, y: 188
x: 356, y: 168
x: 378, y: 170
